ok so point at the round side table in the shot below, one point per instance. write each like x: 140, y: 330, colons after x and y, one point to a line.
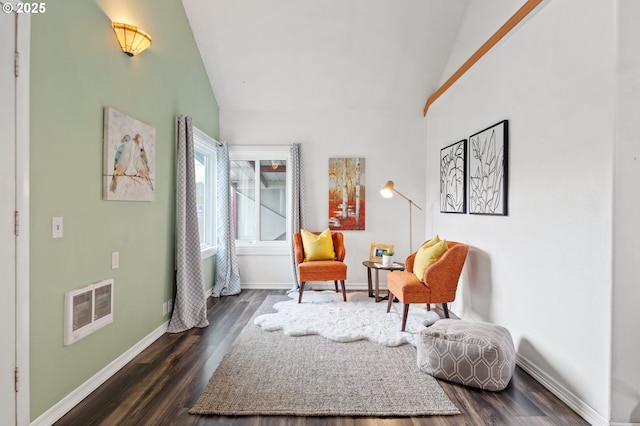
x: 395, y: 266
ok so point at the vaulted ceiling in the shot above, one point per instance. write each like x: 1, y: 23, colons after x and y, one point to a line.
x: 325, y: 54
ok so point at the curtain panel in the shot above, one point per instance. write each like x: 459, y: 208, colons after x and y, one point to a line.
x: 190, y: 307
x: 227, y: 272
x: 297, y: 207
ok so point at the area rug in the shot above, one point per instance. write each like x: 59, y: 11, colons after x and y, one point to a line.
x: 269, y: 373
x: 359, y: 318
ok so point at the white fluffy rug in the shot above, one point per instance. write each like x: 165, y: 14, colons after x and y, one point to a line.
x: 359, y: 318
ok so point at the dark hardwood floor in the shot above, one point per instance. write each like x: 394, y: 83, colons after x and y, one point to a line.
x: 160, y: 385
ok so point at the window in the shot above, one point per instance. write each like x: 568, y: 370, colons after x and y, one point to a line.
x: 259, y: 190
x: 205, y: 162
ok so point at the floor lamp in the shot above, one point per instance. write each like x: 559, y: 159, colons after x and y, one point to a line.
x: 387, y: 192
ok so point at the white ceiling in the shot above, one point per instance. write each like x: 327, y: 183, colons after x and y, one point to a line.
x: 325, y: 54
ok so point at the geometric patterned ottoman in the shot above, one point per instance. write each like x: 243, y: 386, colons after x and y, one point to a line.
x: 477, y: 354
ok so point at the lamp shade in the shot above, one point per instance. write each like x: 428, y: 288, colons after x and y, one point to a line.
x: 132, y: 39
x: 387, y: 189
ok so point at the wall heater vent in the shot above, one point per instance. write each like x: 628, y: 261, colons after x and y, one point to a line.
x: 87, y: 309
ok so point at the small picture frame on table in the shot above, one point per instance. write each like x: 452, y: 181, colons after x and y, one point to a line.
x: 376, y: 251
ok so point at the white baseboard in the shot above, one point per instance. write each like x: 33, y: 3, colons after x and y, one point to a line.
x: 65, y: 405
x: 565, y: 395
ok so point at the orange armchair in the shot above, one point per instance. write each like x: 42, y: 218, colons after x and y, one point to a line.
x: 322, y: 270
x: 440, y: 281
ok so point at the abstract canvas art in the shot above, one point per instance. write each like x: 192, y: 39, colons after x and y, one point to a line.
x: 488, y: 170
x: 453, y: 185
x: 129, y: 158
x: 346, y: 194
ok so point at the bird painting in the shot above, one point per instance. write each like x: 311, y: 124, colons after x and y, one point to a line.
x: 129, y: 158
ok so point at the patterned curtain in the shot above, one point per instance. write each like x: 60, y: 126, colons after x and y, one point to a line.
x: 227, y: 274
x: 297, y: 207
x: 190, y: 307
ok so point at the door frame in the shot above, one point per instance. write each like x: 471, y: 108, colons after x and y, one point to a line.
x: 22, y: 205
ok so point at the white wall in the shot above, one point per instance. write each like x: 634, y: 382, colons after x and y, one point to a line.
x: 545, y: 270
x: 625, y: 384
x: 476, y: 31
x: 393, y: 145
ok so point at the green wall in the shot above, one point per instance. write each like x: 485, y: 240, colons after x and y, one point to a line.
x: 77, y: 69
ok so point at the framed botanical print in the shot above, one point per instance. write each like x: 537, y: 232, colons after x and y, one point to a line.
x: 488, y: 170
x: 453, y: 182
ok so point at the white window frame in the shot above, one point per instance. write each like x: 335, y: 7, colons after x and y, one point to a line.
x: 257, y: 153
x: 206, y: 145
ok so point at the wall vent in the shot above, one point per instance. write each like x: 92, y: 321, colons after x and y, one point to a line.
x: 87, y: 309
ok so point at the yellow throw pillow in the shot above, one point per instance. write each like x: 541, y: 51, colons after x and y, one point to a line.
x: 426, y: 256
x: 432, y: 242
x: 317, y: 247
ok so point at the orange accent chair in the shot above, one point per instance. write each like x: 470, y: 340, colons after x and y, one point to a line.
x: 322, y: 270
x: 440, y: 281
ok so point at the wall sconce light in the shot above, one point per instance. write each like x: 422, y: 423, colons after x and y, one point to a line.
x: 132, y: 39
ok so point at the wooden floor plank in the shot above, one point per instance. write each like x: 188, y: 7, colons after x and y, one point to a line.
x: 160, y: 385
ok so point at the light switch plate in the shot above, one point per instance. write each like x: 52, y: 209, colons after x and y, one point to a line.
x: 56, y: 227
x: 115, y: 260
